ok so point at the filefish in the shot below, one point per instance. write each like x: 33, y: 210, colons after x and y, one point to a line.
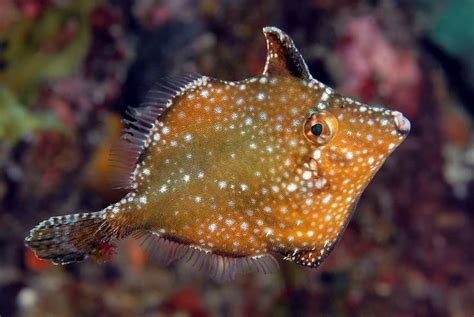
x: 230, y: 175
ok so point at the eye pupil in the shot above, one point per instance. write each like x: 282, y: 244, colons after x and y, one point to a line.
x: 317, y: 129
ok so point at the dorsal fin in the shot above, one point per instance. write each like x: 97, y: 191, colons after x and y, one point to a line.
x: 126, y: 153
x: 282, y: 56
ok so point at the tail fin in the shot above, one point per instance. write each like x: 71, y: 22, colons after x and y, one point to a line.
x: 72, y: 238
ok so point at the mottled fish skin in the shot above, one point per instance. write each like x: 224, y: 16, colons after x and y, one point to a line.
x: 229, y: 169
x: 239, y: 169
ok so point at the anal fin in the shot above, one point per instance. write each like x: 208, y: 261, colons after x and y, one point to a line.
x: 221, y: 268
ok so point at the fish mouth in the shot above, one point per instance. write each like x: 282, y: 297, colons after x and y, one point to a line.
x: 402, y: 124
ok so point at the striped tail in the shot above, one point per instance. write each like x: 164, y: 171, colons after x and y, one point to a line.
x: 72, y: 238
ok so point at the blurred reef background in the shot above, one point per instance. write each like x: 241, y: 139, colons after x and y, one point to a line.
x: 69, y: 69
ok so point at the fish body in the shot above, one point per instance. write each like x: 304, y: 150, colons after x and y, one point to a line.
x: 228, y: 174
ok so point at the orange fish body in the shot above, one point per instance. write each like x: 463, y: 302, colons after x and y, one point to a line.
x: 228, y: 174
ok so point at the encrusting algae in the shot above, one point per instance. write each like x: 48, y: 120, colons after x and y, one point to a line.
x: 226, y: 175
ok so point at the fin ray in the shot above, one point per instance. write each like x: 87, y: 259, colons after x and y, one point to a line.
x: 141, y: 122
x: 71, y: 238
x: 219, y: 267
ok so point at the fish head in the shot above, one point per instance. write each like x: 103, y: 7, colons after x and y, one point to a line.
x: 347, y: 142
x: 333, y: 147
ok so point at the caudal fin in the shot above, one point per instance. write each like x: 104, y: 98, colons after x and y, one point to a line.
x: 72, y: 238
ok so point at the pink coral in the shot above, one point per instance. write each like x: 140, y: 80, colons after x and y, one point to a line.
x: 374, y: 67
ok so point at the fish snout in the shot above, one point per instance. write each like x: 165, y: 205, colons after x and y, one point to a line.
x: 402, y: 124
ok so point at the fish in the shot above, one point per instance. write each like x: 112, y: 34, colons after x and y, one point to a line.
x: 235, y: 176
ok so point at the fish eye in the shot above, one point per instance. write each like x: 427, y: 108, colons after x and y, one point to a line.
x: 317, y: 129
x: 320, y: 127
